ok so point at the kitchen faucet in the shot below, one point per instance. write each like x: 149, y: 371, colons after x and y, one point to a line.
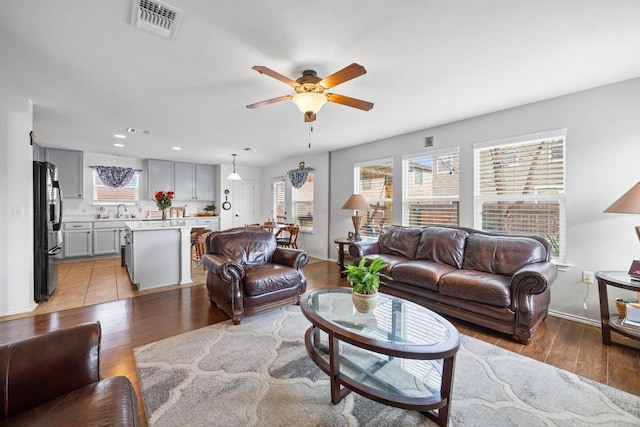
x: 121, y: 214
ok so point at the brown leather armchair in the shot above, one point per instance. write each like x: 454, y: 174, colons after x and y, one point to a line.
x: 54, y: 380
x: 248, y: 273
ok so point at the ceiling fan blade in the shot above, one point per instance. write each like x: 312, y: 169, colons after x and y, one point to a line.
x: 349, y: 102
x: 269, y: 72
x: 309, y: 117
x: 270, y: 101
x: 347, y: 73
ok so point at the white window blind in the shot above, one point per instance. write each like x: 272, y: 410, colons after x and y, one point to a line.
x: 104, y: 194
x: 374, y: 181
x: 278, y: 204
x: 520, y: 187
x: 303, y: 204
x: 431, y: 183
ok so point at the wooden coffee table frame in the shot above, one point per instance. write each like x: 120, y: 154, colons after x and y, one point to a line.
x: 436, y: 407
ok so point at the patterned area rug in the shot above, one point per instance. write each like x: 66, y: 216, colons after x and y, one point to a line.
x: 259, y: 374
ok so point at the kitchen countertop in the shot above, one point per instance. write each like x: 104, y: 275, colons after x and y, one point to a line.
x: 172, y: 224
x: 80, y: 218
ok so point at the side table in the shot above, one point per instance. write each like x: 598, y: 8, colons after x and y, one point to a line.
x: 618, y: 279
x: 341, y: 242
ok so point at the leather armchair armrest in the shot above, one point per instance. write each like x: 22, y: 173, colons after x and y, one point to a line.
x: 41, y: 368
x: 530, y: 280
x: 363, y: 247
x: 294, y: 258
x: 224, y: 267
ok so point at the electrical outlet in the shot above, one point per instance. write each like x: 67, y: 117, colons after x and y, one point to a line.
x: 588, y: 277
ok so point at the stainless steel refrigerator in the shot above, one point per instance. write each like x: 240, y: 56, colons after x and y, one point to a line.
x: 47, y: 229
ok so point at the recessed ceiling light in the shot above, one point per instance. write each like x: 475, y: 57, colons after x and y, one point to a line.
x: 118, y: 145
x: 117, y: 135
x: 177, y: 148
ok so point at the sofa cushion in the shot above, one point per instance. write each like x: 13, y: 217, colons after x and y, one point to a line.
x: 420, y: 273
x: 390, y: 261
x: 400, y: 241
x: 501, y: 254
x: 265, y: 278
x: 442, y: 244
x: 480, y: 287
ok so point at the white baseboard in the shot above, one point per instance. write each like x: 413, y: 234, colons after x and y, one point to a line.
x: 575, y: 318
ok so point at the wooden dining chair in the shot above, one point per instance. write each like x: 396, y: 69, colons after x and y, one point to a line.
x: 290, y: 240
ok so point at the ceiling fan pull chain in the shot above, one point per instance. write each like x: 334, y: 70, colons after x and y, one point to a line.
x: 310, y: 130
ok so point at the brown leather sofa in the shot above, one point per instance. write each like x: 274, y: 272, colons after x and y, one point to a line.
x: 248, y: 273
x: 497, y: 281
x: 54, y: 380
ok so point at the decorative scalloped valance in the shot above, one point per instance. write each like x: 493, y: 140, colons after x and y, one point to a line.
x: 299, y: 176
x: 114, y: 176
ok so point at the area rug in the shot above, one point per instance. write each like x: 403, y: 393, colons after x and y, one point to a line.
x: 258, y: 374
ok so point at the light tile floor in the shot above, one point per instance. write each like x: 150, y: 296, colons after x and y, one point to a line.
x: 84, y: 283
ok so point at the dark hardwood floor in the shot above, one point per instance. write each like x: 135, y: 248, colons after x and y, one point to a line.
x: 132, y: 322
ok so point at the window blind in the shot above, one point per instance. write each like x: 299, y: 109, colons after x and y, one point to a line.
x: 374, y: 181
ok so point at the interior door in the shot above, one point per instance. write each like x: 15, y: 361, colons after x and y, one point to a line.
x: 242, y: 205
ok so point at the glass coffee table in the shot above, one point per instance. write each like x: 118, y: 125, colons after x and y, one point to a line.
x: 400, y: 354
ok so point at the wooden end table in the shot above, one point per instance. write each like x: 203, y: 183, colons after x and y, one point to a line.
x: 341, y: 242
x: 391, y: 355
x: 613, y: 323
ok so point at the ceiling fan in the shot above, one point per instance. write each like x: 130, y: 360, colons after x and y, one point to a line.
x: 310, y: 90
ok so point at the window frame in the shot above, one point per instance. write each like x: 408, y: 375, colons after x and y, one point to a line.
x: 536, y: 196
x: 96, y: 201
x: 311, y: 203
x: 369, y: 231
x: 435, y: 155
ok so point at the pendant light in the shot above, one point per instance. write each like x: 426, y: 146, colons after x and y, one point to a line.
x: 234, y: 176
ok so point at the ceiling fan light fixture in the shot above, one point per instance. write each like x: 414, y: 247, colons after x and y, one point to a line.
x: 234, y: 176
x: 309, y: 102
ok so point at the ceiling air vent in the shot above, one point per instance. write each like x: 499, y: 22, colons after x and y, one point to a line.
x: 157, y: 18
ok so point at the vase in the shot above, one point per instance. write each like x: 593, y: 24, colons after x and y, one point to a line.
x: 164, y: 216
x: 364, y: 303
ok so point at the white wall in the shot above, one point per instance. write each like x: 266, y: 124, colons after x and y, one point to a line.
x: 603, y: 149
x: 315, y: 243
x: 16, y: 193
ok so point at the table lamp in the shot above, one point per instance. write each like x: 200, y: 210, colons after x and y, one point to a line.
x: 356, y: 203
x: 629, y: 203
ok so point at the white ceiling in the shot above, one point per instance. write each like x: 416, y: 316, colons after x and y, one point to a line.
x: 91, y: 73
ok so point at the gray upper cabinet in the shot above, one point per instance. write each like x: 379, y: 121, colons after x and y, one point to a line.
x: 184, y: 175
x: 205, y: 179
x: 188, y: 181
x: 159, y: 176
x: 69, y: 163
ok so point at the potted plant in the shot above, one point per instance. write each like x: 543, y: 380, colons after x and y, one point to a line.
x: 210, y: 209
x: 365, y: 280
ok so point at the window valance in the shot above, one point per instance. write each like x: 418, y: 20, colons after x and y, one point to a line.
x: 115, y: 176
x: 299, y: 176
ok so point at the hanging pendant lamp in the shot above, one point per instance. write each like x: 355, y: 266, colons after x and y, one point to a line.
x: 234, y: 176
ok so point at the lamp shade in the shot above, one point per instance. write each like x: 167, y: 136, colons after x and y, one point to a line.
x: 309, y: 102
x: 629, y: 203
x: 356, y: 202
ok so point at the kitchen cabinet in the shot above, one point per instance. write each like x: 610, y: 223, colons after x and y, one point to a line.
x: 159, y: 177
x: 205, y: 183
x: 184, y: 181
x: 107, y: 237
x: 77, y: 240
x: 69, y: 163
x: 188, y: 181
x: 212, y: 223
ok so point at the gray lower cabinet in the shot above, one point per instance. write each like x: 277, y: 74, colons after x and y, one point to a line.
x: 107, y: 237
x: 77, y: 239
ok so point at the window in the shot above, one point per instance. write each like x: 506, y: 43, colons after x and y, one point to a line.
x: 374, y: 180
x: 520, y: 187
x: 433, y: 199
x: 106, y: 195
x: 303, y: 204
x: 278, y: 204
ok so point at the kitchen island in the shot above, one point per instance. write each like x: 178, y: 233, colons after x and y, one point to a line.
x: 158, y: 254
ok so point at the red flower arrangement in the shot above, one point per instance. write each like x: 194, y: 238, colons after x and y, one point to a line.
x: 163, y: 199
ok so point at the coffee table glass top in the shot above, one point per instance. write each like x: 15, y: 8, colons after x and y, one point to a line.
x: 394, y: 321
